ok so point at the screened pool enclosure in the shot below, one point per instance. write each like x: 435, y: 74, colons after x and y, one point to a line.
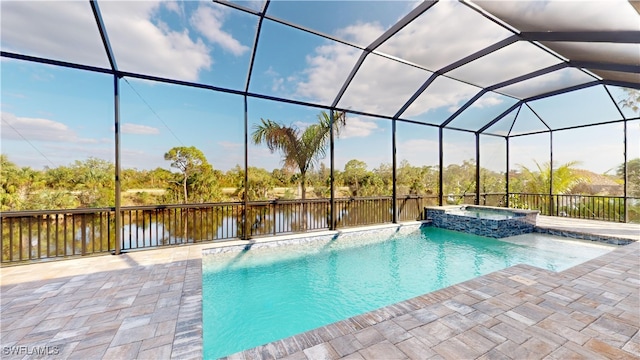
x: 527, y: 104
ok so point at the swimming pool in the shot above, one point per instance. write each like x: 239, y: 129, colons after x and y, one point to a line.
x: 258, y: 296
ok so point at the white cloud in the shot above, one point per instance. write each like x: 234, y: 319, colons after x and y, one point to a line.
x: 443, y: 92
x: 380, y: 86
x: 208, y: 21
x: 540, y: 15
x: 361, y: 33
x: 546, y: 83
x: 327, y: 70
x: 277, y: 81
x: 277, y: 85
x: 507, y: 63
x: 129, y: 128
x: 67, y: 31
x: 357, y: 127
x: 151, y: 47
x: 61, y: 30
x: 486, y: 101
x: 37, y: 129
x: 174, y: 7
x: 443, y: 34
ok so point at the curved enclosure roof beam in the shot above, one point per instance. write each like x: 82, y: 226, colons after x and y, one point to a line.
x: 488, y: 50
x: 624, y: 37
x: 539, y: 117
x: 527, y: 76
x: 499, y: 117
x: 255, y: 45
x: 464, y: 107
x: 503, y: 84
x: 627, y: 84
x: 562, y: 91
x: 630, y: 68
x: 41, y: 60
x: 424, y: 6
x: 103, y: 34
x: 577, y: 45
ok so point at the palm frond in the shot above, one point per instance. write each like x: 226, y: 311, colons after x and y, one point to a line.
x: 299, y: 149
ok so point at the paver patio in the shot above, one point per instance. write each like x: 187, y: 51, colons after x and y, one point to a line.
x: 147, y: 305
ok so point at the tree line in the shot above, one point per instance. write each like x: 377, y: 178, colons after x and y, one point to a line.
x: 90, y: 183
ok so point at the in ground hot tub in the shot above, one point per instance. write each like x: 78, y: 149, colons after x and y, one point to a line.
x: 483, y: 220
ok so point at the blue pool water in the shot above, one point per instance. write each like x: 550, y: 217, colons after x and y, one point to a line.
x: 258, y: 296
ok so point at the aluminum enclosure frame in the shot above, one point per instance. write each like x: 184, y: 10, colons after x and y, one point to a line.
x: 532, y: 37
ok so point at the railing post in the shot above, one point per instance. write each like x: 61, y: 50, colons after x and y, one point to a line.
x: 118, y: 218
x: 332, y: 200
x: 11, y: 239
x: 507, y: 175
x: 477, y: 200
x: 83, y: 232
x: 440, y: 165
x: 275, y: 212
x: 245, y: 198
x: 39, y: 219
x: 551, y: 173
x: 626, y: 176
x: 394, y: 193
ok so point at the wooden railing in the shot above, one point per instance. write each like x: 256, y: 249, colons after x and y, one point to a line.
x: 49, y: 234
x: 593, y: 207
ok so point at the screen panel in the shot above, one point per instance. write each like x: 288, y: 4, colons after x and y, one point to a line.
x: 61, y: 30
x: 57, y: 138
x: 459, y: 167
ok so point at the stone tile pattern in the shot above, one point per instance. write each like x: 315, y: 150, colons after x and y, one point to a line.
x: 147, y: 305
x: 613, y: 240
x: 591, y: 311
x: 142, y: 312
x: 494, y: 228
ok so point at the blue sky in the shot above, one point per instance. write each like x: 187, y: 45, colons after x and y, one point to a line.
x: 52, y: 116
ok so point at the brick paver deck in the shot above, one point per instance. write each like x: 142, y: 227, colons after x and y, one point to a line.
x: 147, y: 305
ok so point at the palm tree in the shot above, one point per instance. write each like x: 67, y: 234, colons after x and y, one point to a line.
x: 564, y: 178
x: 301, y: 150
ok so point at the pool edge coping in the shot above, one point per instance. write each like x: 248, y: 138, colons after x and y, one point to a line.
x: 383, y: 312
x: 325, y: 334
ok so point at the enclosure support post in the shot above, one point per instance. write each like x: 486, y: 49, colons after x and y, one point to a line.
x: 440, y: 166
x: 626, y: 178
x: 477, y: 200
x: 118, y: 214
x: 245, y: 196
x: 116, y: 105
x: 332, y: 201
x: 394, y: 193
x: 506, y: 180
x: 550, y: 173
